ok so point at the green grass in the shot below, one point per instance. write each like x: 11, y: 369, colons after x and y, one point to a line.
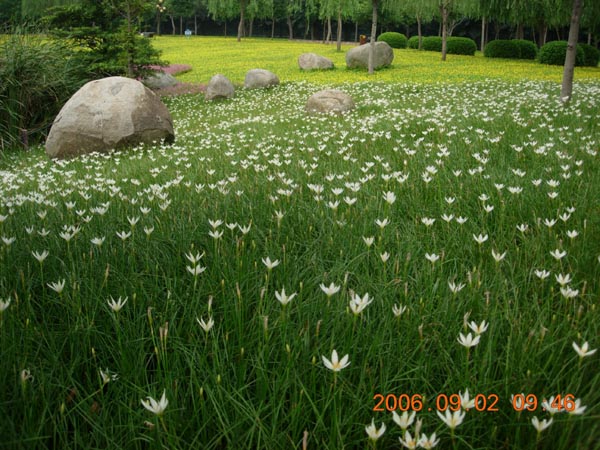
x: 257, y: 378
x: 211, y: 55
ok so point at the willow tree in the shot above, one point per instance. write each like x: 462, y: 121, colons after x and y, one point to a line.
x: 566, y: 90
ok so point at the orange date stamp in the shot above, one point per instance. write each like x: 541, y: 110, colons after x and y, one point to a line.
x: 480, y: 402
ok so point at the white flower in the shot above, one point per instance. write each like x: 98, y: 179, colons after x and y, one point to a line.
x: 432, y: 257
x: 358, y: 304
x: 523, y: 227
x: 563, y: 280
x: 283, y: 298
x: 156, y: 407
x: 572, y: 234
x: 215, y: 234
x: 578, y: 408
x: 382, y: 223
x: 116, y: 306
x: 384, y: 257
x: 567, y: 292
x: 4, y: 305
x: 389, y: 197
x: 480, y: 239
x: 194, y: 259
x: 478, y: 329
x: 468, y: 340
x: 336, y: 364
x: 461, y: 220
x: 405, y: 420
x: 215, y: 223
x: 498, y: 256
x: 548, y: 406
x: 97, y: 241
x: 8, y: 241
x: 123, y: 234
x: 452, y: 419
x: 398, y: 310
x: 57, y: 286
x: 558, y: 254
x: 455, y: 288
x: 330, y: 290
x: 540, y: 426
x: 270, y: 264
x: 408, y: 441
x: 40, y: 256
x: 465, y: 401
x: 427, y: 221
x: 541, y: 274
x: 196, y: 270
x: 107, y: 377
x: 584, y: 350
x: 373, y: 432
x: 206, y: 326
x: 428, y: 442
x: 369, y: 241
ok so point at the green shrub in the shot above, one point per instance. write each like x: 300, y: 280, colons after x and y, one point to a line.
x: 413, y: 42
x: 395, y: 40
x: 455, y: 45
x: 501, y: 48
x: 38, y: 75
x: 591, y: 55
x: 527, y: 49
x: 554, y: 53
x: 432, y: 43
x: 461, y: 46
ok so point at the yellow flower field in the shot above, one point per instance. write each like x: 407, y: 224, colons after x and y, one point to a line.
x: 211, y: 55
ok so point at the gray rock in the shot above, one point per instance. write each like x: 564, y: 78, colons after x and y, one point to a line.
x: 160, y: 80
x: 219, y: 87
x: 107, y: 114
x: 359, y: 56
x: 329, y: 101
x: 312, y: 61
x: 260, y: 79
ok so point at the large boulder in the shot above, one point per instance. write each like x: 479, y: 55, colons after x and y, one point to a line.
x: 107, y: 114
x: 219, y: 87
x: 259, y: 79
x: 329, y: 101
x: 160, y: 80
x: 312, y: 61
x: 359, y: 56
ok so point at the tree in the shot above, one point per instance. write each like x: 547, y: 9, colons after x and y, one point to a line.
x: 566, y: 90
x: 375, y: 4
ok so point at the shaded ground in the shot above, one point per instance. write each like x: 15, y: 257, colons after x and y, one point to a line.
x: 180, y: 87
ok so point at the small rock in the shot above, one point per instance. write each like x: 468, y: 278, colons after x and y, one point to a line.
x: 219, y: 87
x: 359, y: 56
x: 107, y: 114
x: 160, y: 80
x: 260, y: 79
x: 328, y: 101
x: 312, y: 61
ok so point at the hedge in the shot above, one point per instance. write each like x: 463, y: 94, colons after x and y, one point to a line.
x: 512, y: 49
x: 591, y: 55
x: 554, y: 53
x: 395, y: 40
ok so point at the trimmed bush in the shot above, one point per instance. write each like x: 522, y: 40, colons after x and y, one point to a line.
x: 456, y: 45
x: 554, y: 53
x: 432, y: 43
x: 413, y: 42
x: 501, y: 48
x: 461, y: 46
x: 395, y: 40
x: 591, y: 55
x: 527, y: 49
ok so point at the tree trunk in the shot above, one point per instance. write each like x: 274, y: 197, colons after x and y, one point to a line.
x: 373, y: 37
x: 339, y: 30
x: 496, y: 30
x: 419, y: 32
x: 195, y: 25
x: 241, y: 24
x: 328, y: 30
x: 313, y: 36
x: 356, y: 32
x: 181, y: 25
x: 482, y: 46
x: 158, y: 23
x: 558, y: 34
x: 273, y: 27
x: 172, y: 25
x: 589, y: 39
x: 290, y: 26
x: 251, y: 27
x: 567, y: 82
x: 225, y: 29
x: 542, y: 33
x: 520, y: 33
x: 444, y: 12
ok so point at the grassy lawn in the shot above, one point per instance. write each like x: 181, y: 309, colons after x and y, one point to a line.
x: 265, y: 239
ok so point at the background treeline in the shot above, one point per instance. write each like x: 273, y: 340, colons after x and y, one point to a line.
x: 482, y: 20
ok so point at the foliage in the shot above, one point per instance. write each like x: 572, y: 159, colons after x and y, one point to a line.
x: 591, y: 55
x: 555, y: 52
x: 107, y: 37
x: 37, y: 76
x: 527, y: 49
x: 512, y: 49
x: 461, y: 46
x: 413, y: 42
x: 395, y: 40
x: 456, y: 45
